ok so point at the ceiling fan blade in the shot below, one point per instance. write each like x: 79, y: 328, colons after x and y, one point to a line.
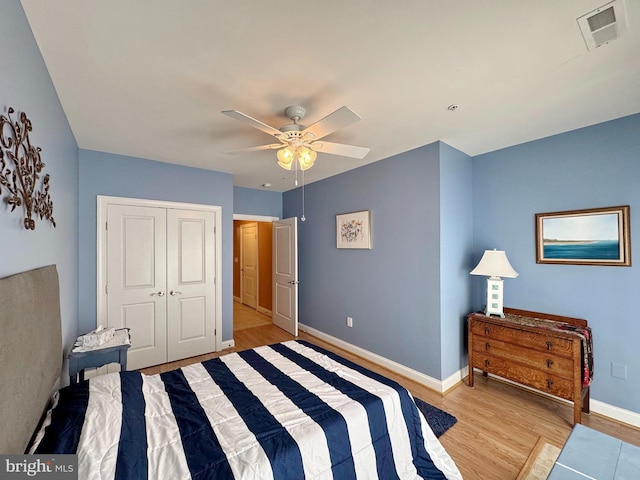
x: 252, y: 121
x: 340, y: 149
x: 272, y: 146
x: 334, y: 121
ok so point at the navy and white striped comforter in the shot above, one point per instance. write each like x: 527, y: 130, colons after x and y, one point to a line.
x: 285, y: 411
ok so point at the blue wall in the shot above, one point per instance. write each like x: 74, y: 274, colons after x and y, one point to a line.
x: 456, y: 233
x: 249, y: 201
x: 393, y: 290
x: 121, y: 176
x: 26, y: 86
x: 592, y: 167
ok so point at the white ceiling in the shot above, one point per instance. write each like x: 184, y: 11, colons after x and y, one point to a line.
x: 148, y: 78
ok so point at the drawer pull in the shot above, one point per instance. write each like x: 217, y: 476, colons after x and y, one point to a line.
x: 487, y: 346
x: 549, y: 383
x: 549, y: 363
x: 486, y: 363
x: 549, y: 345
x: 486, y: 330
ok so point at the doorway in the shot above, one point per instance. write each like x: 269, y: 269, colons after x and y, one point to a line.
x: 277, y: 270
x: 252, y: 278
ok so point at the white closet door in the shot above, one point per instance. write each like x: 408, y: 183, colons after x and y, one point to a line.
x: 136, y: 280
x: 191, y: 295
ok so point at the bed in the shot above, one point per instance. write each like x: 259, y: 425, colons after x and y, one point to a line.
x: 291, y: 410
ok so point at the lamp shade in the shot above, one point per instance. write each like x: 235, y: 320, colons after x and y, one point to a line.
x: 306, y: 157
x: 494, y: 263
x: 285, y: 157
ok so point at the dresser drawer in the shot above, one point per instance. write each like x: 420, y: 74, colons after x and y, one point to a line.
x: 532, y: 377
x: 536, y: 341
x: 543, y: 361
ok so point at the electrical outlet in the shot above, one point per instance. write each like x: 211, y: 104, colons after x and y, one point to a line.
x: 349, y: 322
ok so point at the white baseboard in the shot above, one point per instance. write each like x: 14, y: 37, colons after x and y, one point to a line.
x: 453, y: 380
x: 228, y: 344
x: 615, y: 413
x: 396, y: 367
x: 604, y: 409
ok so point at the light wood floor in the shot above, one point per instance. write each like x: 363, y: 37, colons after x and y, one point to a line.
x: 498, y: 424
x: 246, y: 317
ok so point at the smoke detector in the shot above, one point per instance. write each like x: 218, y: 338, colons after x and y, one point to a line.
x: 603, y: 24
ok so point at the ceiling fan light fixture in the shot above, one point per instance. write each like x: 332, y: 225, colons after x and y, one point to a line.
x: 306, y: 157
x: 286, y: 156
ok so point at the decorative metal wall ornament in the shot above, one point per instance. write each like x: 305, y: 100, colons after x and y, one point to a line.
x: 20, y: 171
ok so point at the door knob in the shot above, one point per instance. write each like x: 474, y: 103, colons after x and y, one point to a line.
x: 173, y: 293
x: 158, y: 294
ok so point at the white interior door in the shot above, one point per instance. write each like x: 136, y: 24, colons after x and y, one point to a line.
x: 136, y: 280
x: 191, y: 266
x: 285, y: 274
x: 249, y: 264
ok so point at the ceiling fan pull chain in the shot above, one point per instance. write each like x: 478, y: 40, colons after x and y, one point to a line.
x: 303, y: 218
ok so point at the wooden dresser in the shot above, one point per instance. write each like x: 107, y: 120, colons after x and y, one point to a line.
x: 547, y: 360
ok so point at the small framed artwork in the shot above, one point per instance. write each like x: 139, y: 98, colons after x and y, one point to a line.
x: 353, y: 230
x: 598, y: 236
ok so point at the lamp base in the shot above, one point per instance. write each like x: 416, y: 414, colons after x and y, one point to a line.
x: 494, y: 297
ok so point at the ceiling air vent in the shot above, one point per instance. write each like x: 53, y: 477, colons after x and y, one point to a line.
x: 604, y: 24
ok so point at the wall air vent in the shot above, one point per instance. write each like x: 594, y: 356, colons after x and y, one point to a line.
x: 604, y: 24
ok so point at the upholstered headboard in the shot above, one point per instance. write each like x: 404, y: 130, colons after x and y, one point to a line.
x: 30, y: 352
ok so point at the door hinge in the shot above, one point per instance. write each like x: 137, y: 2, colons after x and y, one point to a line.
x: 106, y: 225
x: 106, y: 288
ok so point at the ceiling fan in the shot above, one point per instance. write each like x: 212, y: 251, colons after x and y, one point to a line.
x: 299, y: 144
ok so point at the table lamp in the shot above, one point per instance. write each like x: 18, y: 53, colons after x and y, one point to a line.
x: 494, y: 264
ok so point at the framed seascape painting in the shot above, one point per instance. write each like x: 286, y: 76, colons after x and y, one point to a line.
x: 598, y: 236
x: 353, y: 230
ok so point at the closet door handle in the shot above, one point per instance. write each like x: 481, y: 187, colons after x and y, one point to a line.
x: 173, y: 293
x: 158, y: 294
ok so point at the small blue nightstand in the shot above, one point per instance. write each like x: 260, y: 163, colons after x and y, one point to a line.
x: 113, y: 351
